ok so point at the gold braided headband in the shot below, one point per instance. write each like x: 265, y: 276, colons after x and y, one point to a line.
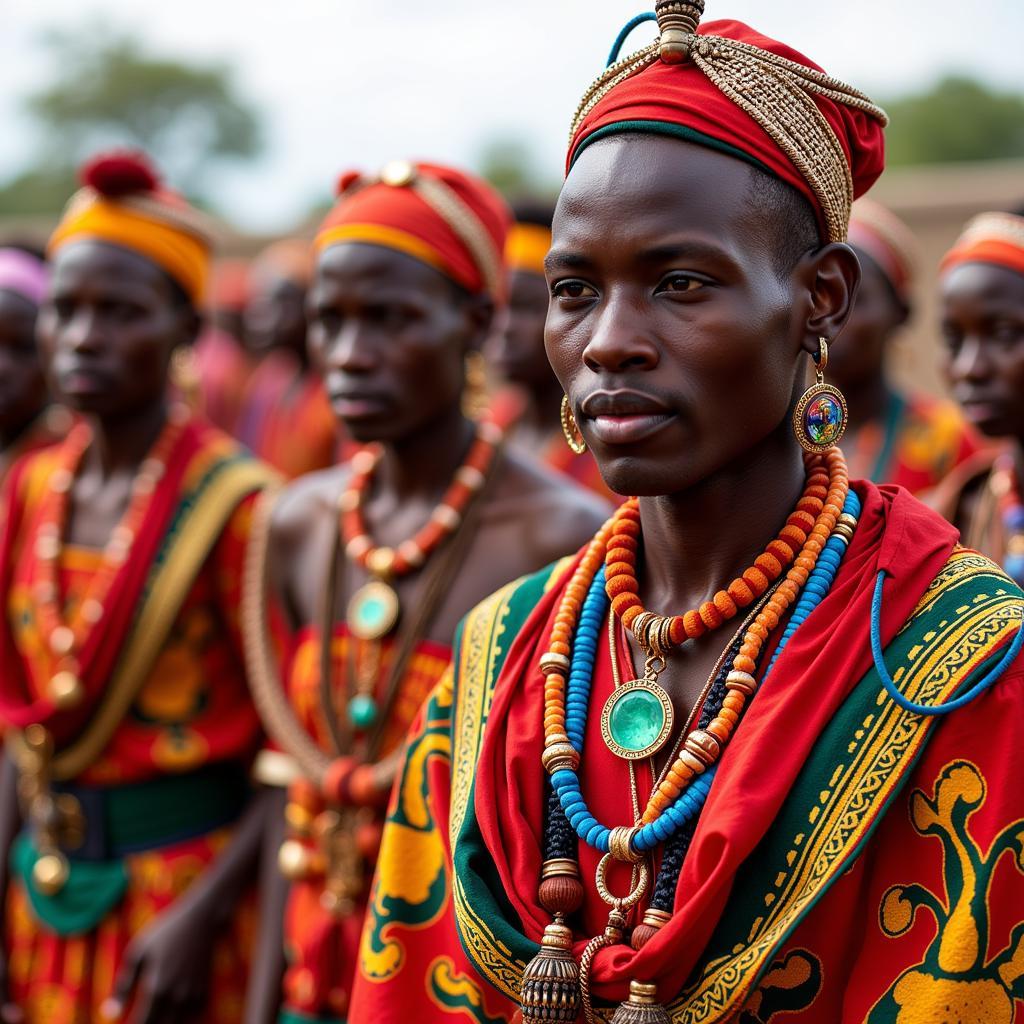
x: 449, y: 206
x: 775, y: 91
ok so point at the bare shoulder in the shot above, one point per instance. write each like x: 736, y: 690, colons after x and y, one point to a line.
x: 304, y: 505
x: 558, y: 515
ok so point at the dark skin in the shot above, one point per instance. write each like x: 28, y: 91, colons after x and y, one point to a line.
x: 22, y: 385
x: 393, y: 334
x: 857, y: 366
x: 668, y: 309
x: 106, y: 336
x: 983, y: 325
x: 516, y: 350
x: 275, y: 317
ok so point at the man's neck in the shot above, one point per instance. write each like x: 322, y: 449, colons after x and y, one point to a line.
x: 120, y: 444
x: 424, y: 464
x: 696, y: 541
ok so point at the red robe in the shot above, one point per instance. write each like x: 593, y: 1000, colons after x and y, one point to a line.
x: 823, y: 790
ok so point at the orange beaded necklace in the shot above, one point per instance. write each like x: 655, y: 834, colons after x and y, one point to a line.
x: 66, y: 638
x: 374, y: 608
x: 798, y: 545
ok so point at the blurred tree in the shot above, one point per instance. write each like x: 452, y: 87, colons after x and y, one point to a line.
x: 107, y: 90
x: 957, y: 119
x: 508, y: 164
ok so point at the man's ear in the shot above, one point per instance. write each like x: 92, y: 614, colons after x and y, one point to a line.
x: 832, y: 274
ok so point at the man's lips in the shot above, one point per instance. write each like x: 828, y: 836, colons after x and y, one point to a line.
x: 358, y: 406
x: 76, y: 380
x: 625, y: 416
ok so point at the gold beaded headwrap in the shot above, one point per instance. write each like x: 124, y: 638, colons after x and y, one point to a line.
x: 774, y: 91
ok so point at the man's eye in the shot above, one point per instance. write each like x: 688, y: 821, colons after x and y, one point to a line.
x: 572, y: 290
x: 681, y: 283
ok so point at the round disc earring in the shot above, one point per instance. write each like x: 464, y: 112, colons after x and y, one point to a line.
x: 820, y: 417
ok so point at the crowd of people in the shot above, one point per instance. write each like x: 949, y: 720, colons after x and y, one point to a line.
x: 369, y: 651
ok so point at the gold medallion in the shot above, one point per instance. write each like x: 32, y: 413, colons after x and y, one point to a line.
x: 373, y: 611
x: 636, y: 720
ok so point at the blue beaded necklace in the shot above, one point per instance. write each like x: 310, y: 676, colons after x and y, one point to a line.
x: 688, y: 805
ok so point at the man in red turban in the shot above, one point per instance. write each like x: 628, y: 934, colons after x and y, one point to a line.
x: 712, y: 769
x: 383, y: 555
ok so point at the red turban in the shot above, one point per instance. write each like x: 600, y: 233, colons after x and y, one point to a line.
x: 451, y: 220
x: 682, y: 101
x: 996, y: 238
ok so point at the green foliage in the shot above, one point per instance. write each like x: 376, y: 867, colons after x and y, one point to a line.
x: 107, y: 91
x: 958, y: 119
x: 508, y: 164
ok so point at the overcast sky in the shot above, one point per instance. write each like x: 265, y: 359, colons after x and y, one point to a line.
x: 345, y: 84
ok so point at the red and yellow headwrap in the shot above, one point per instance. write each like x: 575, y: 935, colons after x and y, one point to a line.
x: 123, y: 202
x: 989, y: 238
x: 727, y: 86
x: 527, y: 246
x: 876, y: 230
x: 448, y: 219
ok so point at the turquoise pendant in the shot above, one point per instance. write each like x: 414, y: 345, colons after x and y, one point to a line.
x: 372, y: 611
x: 362, y: 712
x: 636, y: 720
x: 820, y: 417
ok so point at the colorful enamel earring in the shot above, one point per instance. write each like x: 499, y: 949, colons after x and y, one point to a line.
x: 573, y: 437
x: 820, y: 417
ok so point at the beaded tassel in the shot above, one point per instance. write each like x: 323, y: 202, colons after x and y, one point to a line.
x: 551, y: 981
x: 642, y: 1007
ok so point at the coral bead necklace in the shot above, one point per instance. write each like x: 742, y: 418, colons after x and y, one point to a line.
x: 66, y: 638
x: 818, y: 513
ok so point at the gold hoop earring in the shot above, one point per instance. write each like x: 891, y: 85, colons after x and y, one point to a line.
x: 184, y: 374
x: 820, y: 417
x: 476, y: 396
x: 573, y: 437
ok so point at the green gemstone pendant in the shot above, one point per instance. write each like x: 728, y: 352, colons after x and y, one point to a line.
x: 362, y: 712
x: 372, y: 611
x: 636, y: 720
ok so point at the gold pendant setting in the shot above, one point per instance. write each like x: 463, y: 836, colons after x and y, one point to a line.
x: 373, y: 611
x: 637, y: 719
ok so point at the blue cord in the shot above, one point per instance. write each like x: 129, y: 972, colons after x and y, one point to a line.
x: 926, y: 709
x: 691, y: 801
x: 623, y: 35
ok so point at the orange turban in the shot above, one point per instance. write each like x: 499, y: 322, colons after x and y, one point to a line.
x: 888, y: 241
x: 728, y: 87
x: 123, y: 202
x: 527, y: 246
x: 989, y: 238
x: 448, y: 219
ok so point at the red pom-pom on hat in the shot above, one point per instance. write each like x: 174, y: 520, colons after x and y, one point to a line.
x: 120, y: 174
x: 346, y: 181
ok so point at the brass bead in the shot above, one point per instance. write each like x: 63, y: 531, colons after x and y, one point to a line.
x: 381, y: 562
x: 703, y: 745
x: 560, y: 755
x: 50, y: 873
x: 65, y: 690
x: 742, y: 681
x: 553, y: 662
x: 294, y: 860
